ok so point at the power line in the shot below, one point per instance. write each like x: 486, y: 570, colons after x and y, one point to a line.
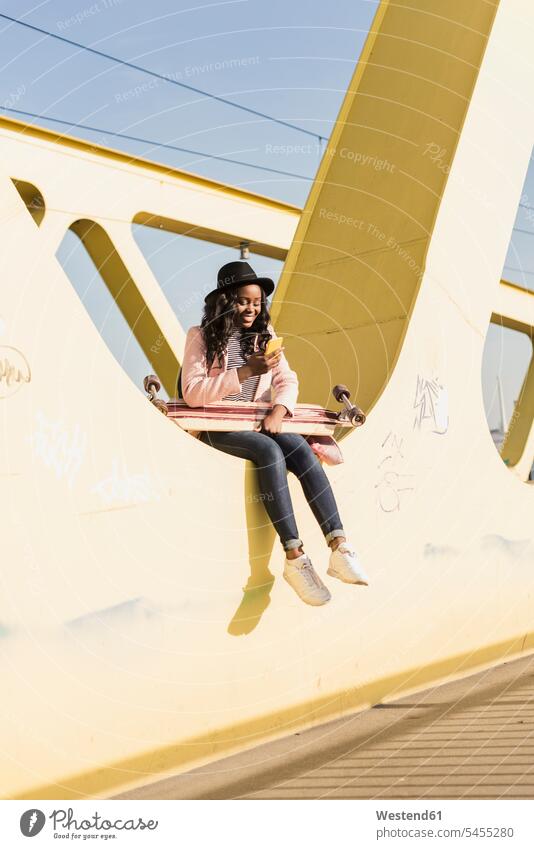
x: 189, y: 151
x: 155, y: 74
x: 194, y: 153
x: 155, y: 143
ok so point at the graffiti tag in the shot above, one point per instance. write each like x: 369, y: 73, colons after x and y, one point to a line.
x: 121, y: 486
x: 393, y: 481
x: 60, y: 447
x: 431, y: 404
x: 14, y: 370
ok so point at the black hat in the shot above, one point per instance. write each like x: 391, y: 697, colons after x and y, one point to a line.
x: 239, y: 273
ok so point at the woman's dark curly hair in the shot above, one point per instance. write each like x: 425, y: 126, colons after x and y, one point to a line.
x: 218, y: 324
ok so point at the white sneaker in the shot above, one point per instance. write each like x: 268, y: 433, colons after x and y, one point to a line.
x: 344, y: 564
x: 302, y: 577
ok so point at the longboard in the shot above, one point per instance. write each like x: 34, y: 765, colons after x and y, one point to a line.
x: 307, y: 419
x: 246, y: 415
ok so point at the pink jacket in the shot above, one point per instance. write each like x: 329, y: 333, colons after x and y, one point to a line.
x: 200, y: 387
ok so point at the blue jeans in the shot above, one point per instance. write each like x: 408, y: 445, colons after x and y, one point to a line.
x: 274, y: 454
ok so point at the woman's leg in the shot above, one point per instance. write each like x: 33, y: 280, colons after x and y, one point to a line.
x: 272, y: 476
x: 304, y: 463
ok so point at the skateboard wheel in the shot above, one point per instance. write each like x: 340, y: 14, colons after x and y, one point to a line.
x: 356, y: 416
x: 151, y: 381
x: 339, y: 390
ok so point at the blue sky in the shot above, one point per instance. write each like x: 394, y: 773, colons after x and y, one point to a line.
x: 291, y: 60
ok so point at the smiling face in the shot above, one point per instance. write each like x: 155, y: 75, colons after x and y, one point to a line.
x: 248, y: 304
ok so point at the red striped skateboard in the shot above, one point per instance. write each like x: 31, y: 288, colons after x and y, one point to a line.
x: 246, y: 415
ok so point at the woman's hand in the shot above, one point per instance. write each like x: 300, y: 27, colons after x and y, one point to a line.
x: 261, y: 363
x: 272, y: 423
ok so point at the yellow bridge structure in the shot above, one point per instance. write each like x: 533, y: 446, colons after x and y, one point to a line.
x: 147, y: 633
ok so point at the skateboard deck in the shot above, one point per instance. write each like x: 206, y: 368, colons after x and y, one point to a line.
x: 309, y: 419
x: 246, y: 415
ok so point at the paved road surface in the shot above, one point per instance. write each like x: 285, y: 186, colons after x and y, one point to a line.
x: 469, y: 739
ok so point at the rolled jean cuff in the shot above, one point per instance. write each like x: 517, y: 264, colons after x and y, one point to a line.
x: 338, y: 532
x: 292, y: 543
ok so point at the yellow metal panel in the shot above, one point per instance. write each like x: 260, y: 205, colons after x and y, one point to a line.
x: 358, y: 256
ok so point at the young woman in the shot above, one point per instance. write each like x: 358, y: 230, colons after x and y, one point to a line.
x: 225, y: 360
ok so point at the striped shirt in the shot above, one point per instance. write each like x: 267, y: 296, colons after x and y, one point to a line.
x: 235, y: 360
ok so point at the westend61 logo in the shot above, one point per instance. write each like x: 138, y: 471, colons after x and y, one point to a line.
x: 33, y: 820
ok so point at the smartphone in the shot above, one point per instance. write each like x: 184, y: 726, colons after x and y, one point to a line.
x: 273, y: 345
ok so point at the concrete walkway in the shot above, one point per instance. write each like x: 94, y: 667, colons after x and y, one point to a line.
x: 468, y: 739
